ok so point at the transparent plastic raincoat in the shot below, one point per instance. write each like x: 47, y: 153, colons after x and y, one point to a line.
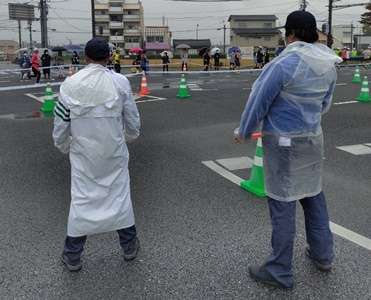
x: 94, y: 118
x: 289, y: 98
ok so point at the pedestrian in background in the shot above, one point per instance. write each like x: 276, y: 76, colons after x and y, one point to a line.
x: 232, y: 60
x: 260, y: 58
x: 117, y: 61
x: 266, y: 56
x: 289, y: 98
x: 35, y: 63
x: 217, y: 60
x: 75, y: 59
x: 45, y: 64
x: 144, y: 62
x: 206, y: 60
x: 184, y: 59
x: 237, y: 60
x: 95, y: 117
x: 165, y: 62
x: 25, y: 64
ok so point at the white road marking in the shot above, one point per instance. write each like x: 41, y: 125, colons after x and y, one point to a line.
x: 4, y: 81
x: 40, y: 99
x: 341, y: 231
x: 356, y: 149
x: 236, y: 163
x: 345, y: 102
x: 223, y: 172
x: 341, y: 84
x: 152, y: 99
x: 351, y: 236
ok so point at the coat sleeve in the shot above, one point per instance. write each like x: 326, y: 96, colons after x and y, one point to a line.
x: 62, y: 125
x: 329, y: 95
x: 130, y: 115
x: 265, y: 89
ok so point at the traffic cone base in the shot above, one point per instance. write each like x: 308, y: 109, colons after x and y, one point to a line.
x: 255, y: 184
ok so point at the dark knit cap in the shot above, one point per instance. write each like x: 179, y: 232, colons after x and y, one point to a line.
x: 97, y: 49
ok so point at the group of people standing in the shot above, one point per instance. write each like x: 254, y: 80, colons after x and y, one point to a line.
x: 37, y: 63
x: 207, y: 60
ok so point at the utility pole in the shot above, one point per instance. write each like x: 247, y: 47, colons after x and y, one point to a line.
x: 93, y: 17
x: 303, y: 5
x: 44, y: 23
x: 19, y: 34
x: 198, y: 25
x: 224, y: 30
x: 30, y: 29
x: 351, y: 35
x: 329, y: 34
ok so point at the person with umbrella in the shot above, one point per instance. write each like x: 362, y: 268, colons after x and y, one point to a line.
x: 165, y: 62
x: 216, y: 57
x: 206, y: 60
x: 35, y: 64
x: 289, y: 98
x: 45, y: 64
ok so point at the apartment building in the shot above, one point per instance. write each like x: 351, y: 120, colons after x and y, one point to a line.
x: 254, y: 30
x: 120, y: 22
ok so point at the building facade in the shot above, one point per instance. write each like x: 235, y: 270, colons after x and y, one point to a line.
x: 157, y: 39
x: 120, y: 22
x: 254, y: 30
x: 8, y: 50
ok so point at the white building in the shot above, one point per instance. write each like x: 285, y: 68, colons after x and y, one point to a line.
x: 120, y: 22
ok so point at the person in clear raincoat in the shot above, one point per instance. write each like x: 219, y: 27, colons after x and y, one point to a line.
x: 289, y: 98
x: 95, y: 117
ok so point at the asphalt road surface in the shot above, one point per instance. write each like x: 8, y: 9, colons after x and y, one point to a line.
x: 199, y: 231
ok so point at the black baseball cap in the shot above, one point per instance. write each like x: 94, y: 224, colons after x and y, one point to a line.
x: 97, y: 49
x: 301, y: 19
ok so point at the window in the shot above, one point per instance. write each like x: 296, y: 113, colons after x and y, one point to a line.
x: 268, y: 25
x: 153, y: 39
x: 132, y: 39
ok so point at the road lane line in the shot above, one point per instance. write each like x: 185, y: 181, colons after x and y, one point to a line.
x: 341, y: 84
x: 345, y: 102
x: 223, y: 172
x: 35, y: 97
x: 341, y: 231
x: 151, y: 100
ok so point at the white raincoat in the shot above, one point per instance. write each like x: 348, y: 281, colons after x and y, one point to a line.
x: 290, y: 96
x: 95, y: 116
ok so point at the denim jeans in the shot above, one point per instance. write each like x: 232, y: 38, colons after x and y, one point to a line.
x: 74, y: 246
x: 319, y: 236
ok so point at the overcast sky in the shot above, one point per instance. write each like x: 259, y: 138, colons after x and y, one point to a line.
x: 71, y: 18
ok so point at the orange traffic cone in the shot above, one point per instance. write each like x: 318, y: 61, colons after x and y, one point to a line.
x: 144, y: 91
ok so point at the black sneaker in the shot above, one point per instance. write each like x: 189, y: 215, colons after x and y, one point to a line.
x: 261, y: 275
x: 72, y: 267
x: 132, y: 249
x: 320, y: 266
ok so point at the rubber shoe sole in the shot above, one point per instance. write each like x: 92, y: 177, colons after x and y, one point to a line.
x: 320, y: 266
x: 262, y: 276
x: 133, y: 254
x: 69, y: 266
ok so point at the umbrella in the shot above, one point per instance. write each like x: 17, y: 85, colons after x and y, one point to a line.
x: 59, y: 49
x: 183, y: 46
x: 233, y: 49
x: 214, y: 50
x: 202, y: 51
x: 168, y: 53
x: 136, y: 50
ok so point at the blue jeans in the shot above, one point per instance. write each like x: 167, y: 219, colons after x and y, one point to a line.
x: 74, y: 246
x: 317, y: 227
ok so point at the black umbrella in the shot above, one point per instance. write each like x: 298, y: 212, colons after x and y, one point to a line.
x: 59, y: 49
x: 203, y: 51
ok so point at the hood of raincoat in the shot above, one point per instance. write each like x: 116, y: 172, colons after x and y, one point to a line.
x: 319, y: 57
x: 90, y: 87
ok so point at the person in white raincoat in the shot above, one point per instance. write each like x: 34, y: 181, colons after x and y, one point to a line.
x: 94, y: 118
x: 289, y: 97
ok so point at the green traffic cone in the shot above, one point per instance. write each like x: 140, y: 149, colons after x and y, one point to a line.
x: 183, y: 89
x: 49, y: 103
x: 256, y: 184
x: 364, y: 95
x: 357, y: 76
